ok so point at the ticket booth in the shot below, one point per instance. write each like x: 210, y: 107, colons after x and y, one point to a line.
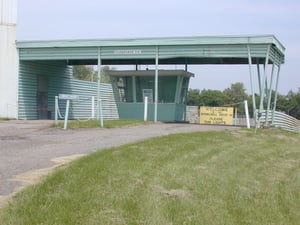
x: 132, y: 86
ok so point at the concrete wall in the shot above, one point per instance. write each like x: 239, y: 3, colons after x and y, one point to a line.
x: 8, y: 71
x: 8, y: 59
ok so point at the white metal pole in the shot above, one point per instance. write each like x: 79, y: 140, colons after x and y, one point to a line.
x: 93, y: 107
x: 146, y: 108
x: 262, y: 95
x: 276, y: 93
x: 99, y: 108
x: 67, y: 115
x: 235, y: 116
x: 156, y: 85
x: 101, y: 113
x: 251, y: 80
x: 270, y: 93
x: 56, y: 110
x: 247, y: 114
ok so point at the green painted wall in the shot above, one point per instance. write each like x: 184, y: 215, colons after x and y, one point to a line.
x: 57, y: 75
x: 58, y: 81
x: 165, y: 112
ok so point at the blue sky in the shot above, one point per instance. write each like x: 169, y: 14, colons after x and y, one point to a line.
x: 89, y: 19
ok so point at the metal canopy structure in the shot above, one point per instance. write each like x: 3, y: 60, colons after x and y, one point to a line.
x: 263, y: 51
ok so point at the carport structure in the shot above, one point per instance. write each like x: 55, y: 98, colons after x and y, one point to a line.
x: 264, y: 52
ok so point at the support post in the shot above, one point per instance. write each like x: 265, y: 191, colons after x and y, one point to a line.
x: 269, y: 97
x: 146, y: 109
x: 134, y: 88
x: 252, y: 85
x: 67, y: 115
x: 156, y: 85
x: 235, y: 115
x: 93, y: 107
x: 98, y: 90
x: 247, y: 114
x: 259, y: 79
x: 261, y: 106
x: 101, y: 113
x: 276, y: 93
x: 56, y: 110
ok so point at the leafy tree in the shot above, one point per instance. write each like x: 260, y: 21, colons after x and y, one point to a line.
x: 293, y: 104
x: 193, y: 97
x: 105, y: 78
x: 211, y: 98
x: 289, y: 104
x: 83, y: 72
x: 236, y: 93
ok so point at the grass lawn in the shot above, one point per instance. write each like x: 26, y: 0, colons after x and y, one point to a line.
x: 72, y: 124
x: 229, y: 177
x: 4, y: 119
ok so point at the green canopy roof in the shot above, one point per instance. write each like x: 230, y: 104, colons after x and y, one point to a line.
x: 173, y: 50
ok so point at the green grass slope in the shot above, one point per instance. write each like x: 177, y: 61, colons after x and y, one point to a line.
x: 230, y: 177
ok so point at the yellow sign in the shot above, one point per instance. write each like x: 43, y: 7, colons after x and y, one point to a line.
x: 216, y: 115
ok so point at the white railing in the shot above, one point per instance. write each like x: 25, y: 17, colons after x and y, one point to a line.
x: 280, y: 120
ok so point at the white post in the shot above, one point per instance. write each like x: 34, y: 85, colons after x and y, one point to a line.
x: 235, y: 116
x: 101, y: 113
x: 156, y: 85
x: 146, y: 108
x: 67, y: 114
x: 93, y: 107
x: 56, y: 110
x: 247, y: 114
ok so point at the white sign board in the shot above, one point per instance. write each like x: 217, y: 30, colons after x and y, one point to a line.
x: 148, y: 93
x: 68, y: 97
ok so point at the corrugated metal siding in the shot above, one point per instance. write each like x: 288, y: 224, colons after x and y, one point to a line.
x: 58, y: 74
x: 27, y: 92
x: 282, y: 121
x: 148, y: 52
x: 82, y: 108
x: 58, y: 53
x: 136, y: 52
x: 28, y: 84
x: 8, y: 11
x: 276, y: 57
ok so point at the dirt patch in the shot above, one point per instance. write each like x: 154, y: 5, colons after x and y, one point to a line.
x: 175, y: 193
x: 285, y: 138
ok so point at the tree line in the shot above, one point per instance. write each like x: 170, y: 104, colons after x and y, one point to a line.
x: 236, y: 93
x: 88, y: 73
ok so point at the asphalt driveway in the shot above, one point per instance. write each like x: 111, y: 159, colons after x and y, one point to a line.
x: 29, y: 149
